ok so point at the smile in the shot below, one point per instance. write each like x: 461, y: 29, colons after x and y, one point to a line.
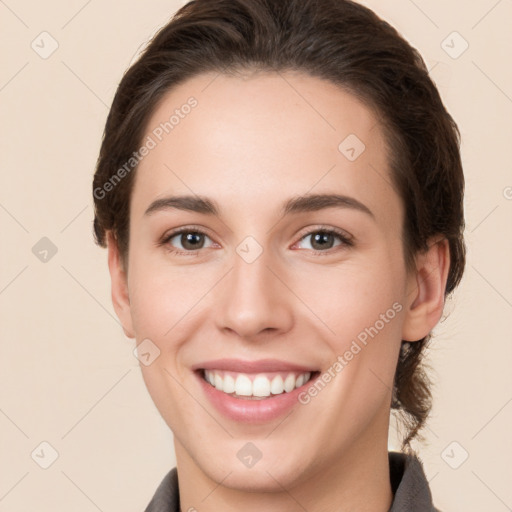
x: 253, y: 392
x: 256, y: 386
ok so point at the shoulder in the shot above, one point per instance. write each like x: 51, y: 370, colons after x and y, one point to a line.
x: 409, y: 484
x: 166, y: 497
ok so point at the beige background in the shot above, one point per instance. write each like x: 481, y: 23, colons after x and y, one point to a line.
x: 68, y: 375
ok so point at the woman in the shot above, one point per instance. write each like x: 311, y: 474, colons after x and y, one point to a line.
x: 281, y: 193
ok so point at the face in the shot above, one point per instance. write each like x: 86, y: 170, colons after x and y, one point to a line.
x: 290, y: 274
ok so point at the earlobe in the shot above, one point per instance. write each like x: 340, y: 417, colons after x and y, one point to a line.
x: 119, y: 286
x: 426, y: 290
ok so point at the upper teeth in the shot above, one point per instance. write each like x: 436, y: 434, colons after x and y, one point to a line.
x: 255, y: 385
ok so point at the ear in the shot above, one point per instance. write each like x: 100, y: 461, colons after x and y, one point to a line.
x: 120, y: 295
x: 426, y: 287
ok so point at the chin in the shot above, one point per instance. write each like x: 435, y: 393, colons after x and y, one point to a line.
x: 259, y: 479
x: 269, y: 474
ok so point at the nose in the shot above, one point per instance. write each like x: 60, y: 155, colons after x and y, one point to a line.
x: 254, y: 300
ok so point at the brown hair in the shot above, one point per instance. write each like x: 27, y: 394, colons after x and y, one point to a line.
x: 336, y: 40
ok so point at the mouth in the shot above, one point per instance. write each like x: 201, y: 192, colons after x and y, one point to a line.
x: 253, y: 392
x: 256, y: 386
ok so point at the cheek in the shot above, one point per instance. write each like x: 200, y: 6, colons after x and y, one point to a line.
x: 362, y: 306
x: 162, y: 298
x: 161, y: 304
x: 351, y: 297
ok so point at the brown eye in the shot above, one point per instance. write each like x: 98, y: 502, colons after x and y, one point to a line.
x: 324, y: 239
x: 185, y: 241
x: 192, y: 240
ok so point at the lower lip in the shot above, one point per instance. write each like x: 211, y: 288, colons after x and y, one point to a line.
x: 252, y: 411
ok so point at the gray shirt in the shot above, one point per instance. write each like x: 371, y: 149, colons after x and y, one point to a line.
x: 408, y: 482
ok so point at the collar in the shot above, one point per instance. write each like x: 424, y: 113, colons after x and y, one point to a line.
x: 408, y: 483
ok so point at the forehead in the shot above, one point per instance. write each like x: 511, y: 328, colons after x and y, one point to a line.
x: 261, y: 137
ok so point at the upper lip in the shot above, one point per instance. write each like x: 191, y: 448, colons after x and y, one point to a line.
x: 259, y: 366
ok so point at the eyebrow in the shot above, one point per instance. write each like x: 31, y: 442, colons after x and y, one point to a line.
x: 299, y: 204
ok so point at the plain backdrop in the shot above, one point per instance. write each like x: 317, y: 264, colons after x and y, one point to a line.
x: 69, y: 378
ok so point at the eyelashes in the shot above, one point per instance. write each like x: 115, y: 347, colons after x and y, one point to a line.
x: 346, y: 240
x: 193, y: 252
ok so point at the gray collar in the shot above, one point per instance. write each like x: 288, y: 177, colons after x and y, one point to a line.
x: 408, y: 482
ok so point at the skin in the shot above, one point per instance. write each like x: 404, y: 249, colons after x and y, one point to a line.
x: 253, y: 142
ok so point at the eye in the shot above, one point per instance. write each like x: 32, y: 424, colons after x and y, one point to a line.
x: 324, y: 239
x: 189, y: 239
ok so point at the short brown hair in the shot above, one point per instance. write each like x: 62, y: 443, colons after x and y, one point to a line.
x: 336, y: 40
